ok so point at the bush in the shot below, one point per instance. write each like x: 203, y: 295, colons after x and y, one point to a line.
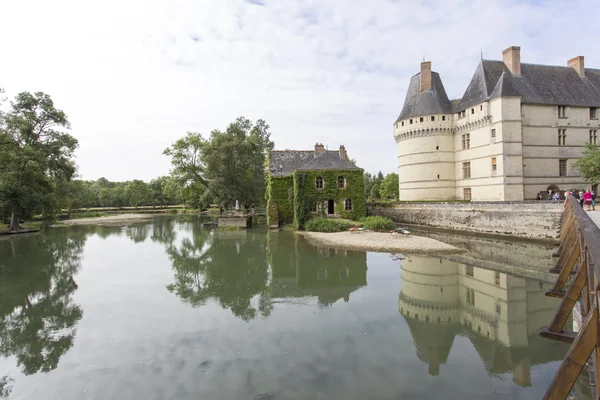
x: 327, y: 225
x: 378, y: 224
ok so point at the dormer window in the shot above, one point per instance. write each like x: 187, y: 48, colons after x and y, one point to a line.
x: 421, y: 119
x: 402, y: 123
x: 319, y: 182
x: 562, y: 112
x: 411, y: 121
x: 341, y: 182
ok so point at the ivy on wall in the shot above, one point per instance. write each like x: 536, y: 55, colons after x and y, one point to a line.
x: 306, y: 195
x: 280, y: 197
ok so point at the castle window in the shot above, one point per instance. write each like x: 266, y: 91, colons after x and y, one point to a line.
x: 402, y: 123
x: 562, y: 112
x: 396, y: 126
x: 471, y: 297
x: 562, y: 167
x: 481, y: 107
x: 593, y: 113
x: 469, y: 270
x: 348, y: 205
x: 319, y: 182
x: 498, y: 309
x: 562, y: 137
x: 411, y: 121
x: 593, y: 136
x: 421, y: 119
x: 467, y: 194
x: 493, y: 134
x: 466, y: 170
x: 466, y: 141
x: 472, y: 111
x: 497, y: 278
x: 341, y: 182
x: 443, y: 117
x: 494, y: 166
x: 433, y: 118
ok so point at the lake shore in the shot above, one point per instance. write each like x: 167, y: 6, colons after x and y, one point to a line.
x: 112, y: 220
x: 381, y: 242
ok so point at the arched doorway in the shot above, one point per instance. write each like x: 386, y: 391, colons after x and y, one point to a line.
x: 330, y: 206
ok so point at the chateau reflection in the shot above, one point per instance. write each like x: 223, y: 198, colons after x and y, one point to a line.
x: 312, y: 271
x: 500, y: 314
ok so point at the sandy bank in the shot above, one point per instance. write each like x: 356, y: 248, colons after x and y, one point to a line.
x: 381, y: 242
x: 113, y: 220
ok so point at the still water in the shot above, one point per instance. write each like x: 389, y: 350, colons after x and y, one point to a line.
x: 174, y: 310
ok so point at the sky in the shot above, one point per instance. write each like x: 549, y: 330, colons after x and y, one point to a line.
x: 133, y: 76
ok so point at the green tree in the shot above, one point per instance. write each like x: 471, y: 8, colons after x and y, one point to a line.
x: 368, y: 179
x: 137, y: 193
x: 589, y: 163
x: 172, y: 191
x: 157, y: 190
x: 389, y: 187
x: 375, y: 191
x: 33, y: 151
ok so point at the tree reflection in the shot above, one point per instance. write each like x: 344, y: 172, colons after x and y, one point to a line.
x: 230, y: 267
x: 5, y: 387
x: 37, y: 314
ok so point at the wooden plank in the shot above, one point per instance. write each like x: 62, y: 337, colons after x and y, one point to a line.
x: 557, y: 294
x: 567, y: 303
x: 564, y: 336
x: 570, y: 243
x: 576, y: 358
x: 566, y: 269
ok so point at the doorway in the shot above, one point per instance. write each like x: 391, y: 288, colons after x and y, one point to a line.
x: 330, y: 209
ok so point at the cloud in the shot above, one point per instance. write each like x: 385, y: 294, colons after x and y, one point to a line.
x: 135, y: 76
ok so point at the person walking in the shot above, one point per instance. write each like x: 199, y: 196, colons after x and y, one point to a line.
x: 593, y: 200
x: 581, y: 199
x: 587, y: 200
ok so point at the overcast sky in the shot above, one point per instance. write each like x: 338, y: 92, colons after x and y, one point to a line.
x: 135, y: 75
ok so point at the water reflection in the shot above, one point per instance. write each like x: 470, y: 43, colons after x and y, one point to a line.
x: 37, y: 313
x: 500, y: 314
x: 301, y: 270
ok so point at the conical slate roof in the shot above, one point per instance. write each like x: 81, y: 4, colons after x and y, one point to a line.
x: 426, y: 102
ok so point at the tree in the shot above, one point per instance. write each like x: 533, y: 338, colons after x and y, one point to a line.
x: 368, y: 179
x: 389, y: 187
x: 157, y: 190
x: 589, y: 163
x: 137, y: 193
x: 375, y: 194
x: 33, y: 151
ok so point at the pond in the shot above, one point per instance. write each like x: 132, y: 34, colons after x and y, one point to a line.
x: 172, y: 309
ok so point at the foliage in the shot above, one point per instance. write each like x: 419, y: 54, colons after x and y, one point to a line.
x: 378, y: 224
x: 389, y: 188
x: 226, y: 167
x: 5, y: 387
x: 306, y: 196
x: 322, y: 224
x: 280, y: 197
x: 589, y: 163
x: 137, y: 193
x: 375, y: 191
x: 34, y: 151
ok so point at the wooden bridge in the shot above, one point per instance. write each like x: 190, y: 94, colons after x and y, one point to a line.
x: 578, y: 270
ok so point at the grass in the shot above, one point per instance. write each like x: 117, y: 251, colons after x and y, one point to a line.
x: 378, y: 224
x: 89, y: 214
x: 328, y: 225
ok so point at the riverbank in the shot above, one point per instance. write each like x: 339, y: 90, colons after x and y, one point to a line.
x: 380, y: 242
x: 112, y: 220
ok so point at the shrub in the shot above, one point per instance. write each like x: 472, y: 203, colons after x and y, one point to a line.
x: 327, y: 225
x: 378, y: 224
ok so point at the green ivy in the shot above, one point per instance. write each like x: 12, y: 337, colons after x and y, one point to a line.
x: 306, y: 194
x: 280, y: 197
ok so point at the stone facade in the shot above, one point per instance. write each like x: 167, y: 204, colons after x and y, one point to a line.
x: 534, y: 220
x: 516, y: 131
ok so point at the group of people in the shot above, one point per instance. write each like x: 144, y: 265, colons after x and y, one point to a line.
x: 587, y: 198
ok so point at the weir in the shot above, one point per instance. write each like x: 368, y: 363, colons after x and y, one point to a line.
x: 578, y: 269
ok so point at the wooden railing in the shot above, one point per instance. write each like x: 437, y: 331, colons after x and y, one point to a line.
x: 578, y: 269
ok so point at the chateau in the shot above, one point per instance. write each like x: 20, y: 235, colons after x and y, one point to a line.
x: 516, y: 131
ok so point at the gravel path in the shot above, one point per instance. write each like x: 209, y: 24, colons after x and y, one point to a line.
x: 381, y: 242
x: 113, y: 220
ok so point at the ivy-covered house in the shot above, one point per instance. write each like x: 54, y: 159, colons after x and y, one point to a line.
x: 305, y: 183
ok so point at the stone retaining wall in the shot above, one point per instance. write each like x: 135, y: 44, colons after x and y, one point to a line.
x: 234, y: 222
x: 530, y: 219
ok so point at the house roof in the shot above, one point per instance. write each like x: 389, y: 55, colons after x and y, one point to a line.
x: 285, y: 162
x: 537, y: 84
x: 426, y: 102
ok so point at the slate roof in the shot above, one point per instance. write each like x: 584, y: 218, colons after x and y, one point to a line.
x: 285, y: 162
x: 433, y: 101
x: 537, y: 84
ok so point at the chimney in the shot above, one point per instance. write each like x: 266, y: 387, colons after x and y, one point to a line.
x: 343, y: 152
x: 319, y: 148
x: 425, y: 75
x: 512, y: 59
x: 577, y: 63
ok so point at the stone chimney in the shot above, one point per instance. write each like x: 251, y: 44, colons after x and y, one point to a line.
x: 512, y: 59
x: 425, y: 75
x: 319, y: 148
x: 343, y: 152
x: 577, y: 63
